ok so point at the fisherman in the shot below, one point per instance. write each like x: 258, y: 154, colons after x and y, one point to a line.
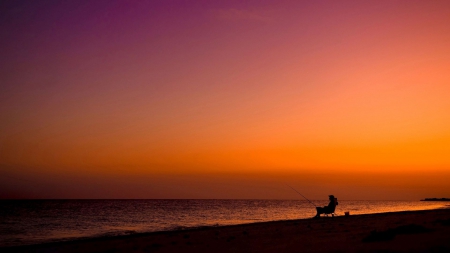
x: 327, y: 209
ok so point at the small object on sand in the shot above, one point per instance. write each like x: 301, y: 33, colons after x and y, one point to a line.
x: 347, y: 213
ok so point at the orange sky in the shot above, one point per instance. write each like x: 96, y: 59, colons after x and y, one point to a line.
x: 225, y: 99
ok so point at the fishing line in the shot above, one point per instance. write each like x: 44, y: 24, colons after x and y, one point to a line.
x: 302, y: 195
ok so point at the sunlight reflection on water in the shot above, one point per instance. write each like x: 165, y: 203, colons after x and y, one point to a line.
x: 37, y: 221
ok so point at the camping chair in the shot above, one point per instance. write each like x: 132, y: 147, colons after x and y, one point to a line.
x: 330, y: 211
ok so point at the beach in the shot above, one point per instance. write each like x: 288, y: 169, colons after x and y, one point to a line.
x: 408, y: 231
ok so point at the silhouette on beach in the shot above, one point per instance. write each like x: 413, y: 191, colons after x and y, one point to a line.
x: 327, y: 209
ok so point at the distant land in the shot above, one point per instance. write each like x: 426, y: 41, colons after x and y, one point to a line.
x: 436, y: 199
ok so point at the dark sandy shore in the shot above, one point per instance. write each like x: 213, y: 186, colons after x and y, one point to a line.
x: 415, y: 231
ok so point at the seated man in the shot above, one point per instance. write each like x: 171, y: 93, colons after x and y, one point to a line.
x: 327, y: 209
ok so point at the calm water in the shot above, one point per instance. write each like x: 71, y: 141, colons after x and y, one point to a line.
x: 36, y: 221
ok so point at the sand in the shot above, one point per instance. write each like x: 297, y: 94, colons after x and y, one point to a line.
x: 413, y: 231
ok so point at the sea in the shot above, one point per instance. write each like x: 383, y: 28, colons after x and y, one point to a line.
x: 26, y: 222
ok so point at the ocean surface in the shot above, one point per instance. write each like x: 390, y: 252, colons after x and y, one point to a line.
x: 24, y: 222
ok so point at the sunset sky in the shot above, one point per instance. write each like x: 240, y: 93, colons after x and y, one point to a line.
x: 225, y: 99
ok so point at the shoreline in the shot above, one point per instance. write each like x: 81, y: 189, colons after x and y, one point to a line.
x: 181, y: 229
x: 412, y: 231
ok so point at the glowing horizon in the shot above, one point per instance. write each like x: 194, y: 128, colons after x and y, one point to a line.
x: 202, y: 90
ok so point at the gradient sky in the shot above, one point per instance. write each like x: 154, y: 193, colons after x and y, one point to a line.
x: 224, y: 99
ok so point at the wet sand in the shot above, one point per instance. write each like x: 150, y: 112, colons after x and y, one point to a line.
x: 414, y: 231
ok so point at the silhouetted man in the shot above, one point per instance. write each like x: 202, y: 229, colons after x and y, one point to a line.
x: 327, y: 209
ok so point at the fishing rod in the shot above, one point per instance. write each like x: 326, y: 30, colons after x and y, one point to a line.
x: 302, y: 195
